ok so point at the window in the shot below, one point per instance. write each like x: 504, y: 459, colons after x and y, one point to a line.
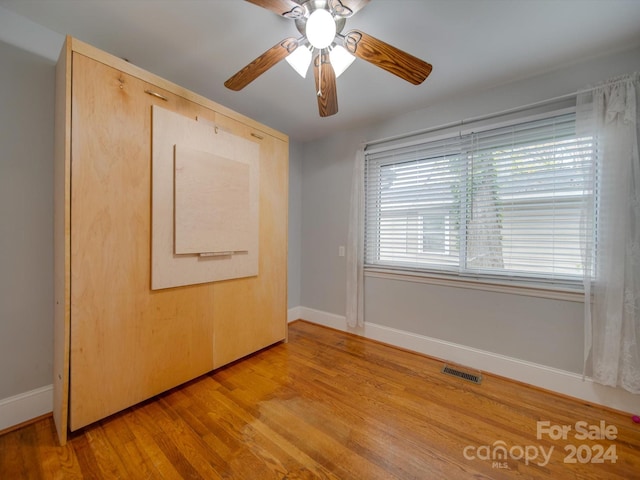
x: 503, y: 202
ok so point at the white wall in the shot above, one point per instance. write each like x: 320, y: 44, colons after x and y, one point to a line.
x: 326, y: 180
x: 537, y: 330
x: 295, y: 220
x: 26, y: 216
x: 29, y: 36
x: 27, y: 54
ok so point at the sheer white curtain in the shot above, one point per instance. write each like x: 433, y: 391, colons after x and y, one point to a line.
x: 355, y: 245
x: 609, y: 113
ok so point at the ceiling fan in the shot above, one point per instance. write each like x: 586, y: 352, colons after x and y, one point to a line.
x: 321, y: 23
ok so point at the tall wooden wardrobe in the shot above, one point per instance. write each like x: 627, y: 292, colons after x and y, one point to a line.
x: 117, y: 341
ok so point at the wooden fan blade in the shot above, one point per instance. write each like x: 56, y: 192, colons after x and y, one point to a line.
x: 346, y: 8
x: 385, y: 56
x: 261, y: 64
x: 325, y: 86
x: 286, y: 8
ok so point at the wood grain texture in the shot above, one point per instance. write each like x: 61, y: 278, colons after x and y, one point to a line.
x: 172, y: 130
x: 327, y: 405
x: 261, y: 64
x: 387, y: 57
x: 211, y: 204
x: 242, y: 326
x: 352, y: 6
x: 286, y: 8
x: 156, y: 81
x: 62, y: 240
x: 326, y: 90
x: 128, y: 342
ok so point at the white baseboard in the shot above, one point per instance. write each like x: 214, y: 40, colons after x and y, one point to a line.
x: 548, y: 378
x: 293, y: 314
x: 25, y: 406
x: 326, y: 319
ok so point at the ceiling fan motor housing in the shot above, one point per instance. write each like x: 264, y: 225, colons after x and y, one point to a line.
x: 311, y: 6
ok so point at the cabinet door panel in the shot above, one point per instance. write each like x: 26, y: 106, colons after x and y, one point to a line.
x: 127, y: 342
x: 251, y: 313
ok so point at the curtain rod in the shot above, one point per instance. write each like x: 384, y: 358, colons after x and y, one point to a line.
x: 480, y: 118
x: 489, y: 116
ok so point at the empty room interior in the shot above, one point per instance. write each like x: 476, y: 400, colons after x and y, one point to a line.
x: 320, y: 239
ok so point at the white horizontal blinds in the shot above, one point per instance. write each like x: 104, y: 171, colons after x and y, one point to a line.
x: 527, y: 187
x: 412, y: 215
x: 501, y: 202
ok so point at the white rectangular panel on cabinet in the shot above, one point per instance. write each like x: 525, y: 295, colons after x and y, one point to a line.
x: 205, y: 199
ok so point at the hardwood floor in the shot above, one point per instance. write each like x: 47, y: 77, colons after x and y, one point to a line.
x: 329, y: 405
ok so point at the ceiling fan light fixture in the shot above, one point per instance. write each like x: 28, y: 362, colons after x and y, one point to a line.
x: 320, y: 28
x: 300, y: 60
x: 340, y: 59
x: 321, y: 22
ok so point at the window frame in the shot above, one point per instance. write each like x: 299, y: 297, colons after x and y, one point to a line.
x: 566, y: 288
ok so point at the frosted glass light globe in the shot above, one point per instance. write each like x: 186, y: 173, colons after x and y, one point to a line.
x: 300, y: 60
x: 340, y: 59
x: 321, y: 28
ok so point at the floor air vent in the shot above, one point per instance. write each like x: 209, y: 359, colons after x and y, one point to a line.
x: 456, y: 372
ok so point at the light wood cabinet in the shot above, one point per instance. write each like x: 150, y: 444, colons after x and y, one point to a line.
x: 117, y: 342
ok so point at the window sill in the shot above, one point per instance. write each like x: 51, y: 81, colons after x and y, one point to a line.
x: 511, y: 287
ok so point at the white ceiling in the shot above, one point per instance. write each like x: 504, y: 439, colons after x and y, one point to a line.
x: 472, y: 44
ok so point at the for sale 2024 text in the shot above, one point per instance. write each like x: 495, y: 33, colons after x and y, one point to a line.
x: 581, y: 431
